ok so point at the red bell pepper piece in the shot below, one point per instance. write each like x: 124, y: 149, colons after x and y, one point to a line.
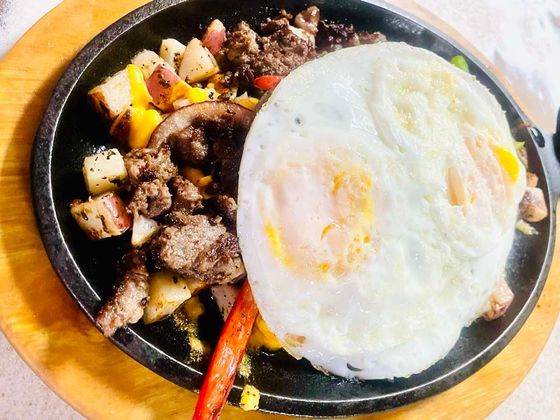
x: 267, y: 82
x: 227, y: 356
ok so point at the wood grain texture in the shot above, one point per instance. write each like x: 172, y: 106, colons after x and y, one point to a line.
x: 47, y: 328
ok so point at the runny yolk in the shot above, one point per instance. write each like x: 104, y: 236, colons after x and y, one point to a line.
x: 322, y: 220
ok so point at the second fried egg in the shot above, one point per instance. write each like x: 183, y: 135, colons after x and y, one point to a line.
x: 378, y: 195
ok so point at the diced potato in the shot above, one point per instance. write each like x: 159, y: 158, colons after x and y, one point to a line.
x: 198, y: 63
x: 104, y: 171
x: 250, y: 397
x: 533, y: 205
x: 148, y: 61
x: 162, y: 87
x: 224, y: 295
x: 102, y: 216
x: 120, y: 129
x: 143, y: 229
x: 167, y: 292
x: 112, y: 96
x: 172, y: 51
x: 499, y: 301
x: 196, y: 285
x: 214, y: 36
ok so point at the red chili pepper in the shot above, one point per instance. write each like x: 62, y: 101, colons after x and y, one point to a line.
x: 227, y: 356
x: 267, y: 82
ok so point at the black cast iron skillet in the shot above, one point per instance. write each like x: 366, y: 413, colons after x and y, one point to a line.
x: 71, y: 130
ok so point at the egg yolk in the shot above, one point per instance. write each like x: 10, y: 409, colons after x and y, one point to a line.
x: 320, y: 220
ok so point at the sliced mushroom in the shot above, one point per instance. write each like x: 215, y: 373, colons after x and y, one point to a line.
x: 533, y: 205
x: 200, y: 113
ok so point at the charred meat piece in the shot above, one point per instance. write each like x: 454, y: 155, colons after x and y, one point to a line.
x: 224, y: 206
x: 242, y: 45
x: 225, y: 126
x: 220, y: 263
x: 201, y: 248
x: 126, y: 306
x: 333, y: 36
x: 150, y: 199
x: 144, y: 165
x: 281, y: 49
x: 189, y: 145
x: 186, y: 196
x: 308, y: 20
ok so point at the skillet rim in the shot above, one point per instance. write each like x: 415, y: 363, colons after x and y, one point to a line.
x: 130, y: 342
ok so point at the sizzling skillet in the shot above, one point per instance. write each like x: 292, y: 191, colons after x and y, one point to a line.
x: 70, y: 130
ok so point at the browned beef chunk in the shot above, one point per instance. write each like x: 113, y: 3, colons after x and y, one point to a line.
x: 145, y: 165
x: 150, y: 198
x: 308, y: 19
x: 189, y: 145
x: 220, y: 262
x: 186, y: 197
x: 333, y: 36
x: 269, y: 26
x: 225, y: 206
x: 242, y: 45
x: 199, y: 248
x: 280, y: 50
x: 126, y: 306
x: 283, y: 51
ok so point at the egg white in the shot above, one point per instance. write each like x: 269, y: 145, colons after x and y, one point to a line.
x: 441, y: 171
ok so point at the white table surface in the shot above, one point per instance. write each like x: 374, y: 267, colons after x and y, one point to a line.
x: 525, y: 45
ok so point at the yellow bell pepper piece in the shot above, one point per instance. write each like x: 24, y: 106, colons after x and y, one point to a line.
x: 196, y: 95
x: 249, y: 103
x: 141, y: 98
x: 142, y: 125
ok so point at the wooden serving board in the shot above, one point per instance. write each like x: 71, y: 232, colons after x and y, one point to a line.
x: 48, y: 329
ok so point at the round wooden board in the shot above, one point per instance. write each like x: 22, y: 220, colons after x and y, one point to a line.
x: 60, y: 344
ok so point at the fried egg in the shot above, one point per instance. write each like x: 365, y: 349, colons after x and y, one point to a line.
x: 378, y: 194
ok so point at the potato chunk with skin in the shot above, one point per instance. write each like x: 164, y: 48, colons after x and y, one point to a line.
x: 148, y: 61
x: 499, y: 301
x: 167, y: 292
x: 198, y: 63
x: 102, y: 216
x: 172, y: 51
x: 104, y: 171
x: 112, y: 96
x: 214, y: 36
x: 143, y: 229
x: 533, y: 205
